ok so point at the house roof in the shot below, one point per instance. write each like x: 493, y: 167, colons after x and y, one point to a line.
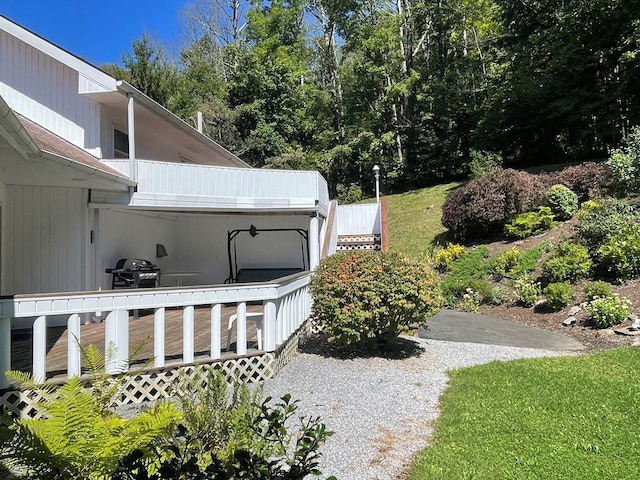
x: 53, y: 144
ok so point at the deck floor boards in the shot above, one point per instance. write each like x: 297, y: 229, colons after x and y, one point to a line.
x: 140, y: 333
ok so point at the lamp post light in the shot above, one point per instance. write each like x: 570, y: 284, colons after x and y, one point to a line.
x: 376, y: 172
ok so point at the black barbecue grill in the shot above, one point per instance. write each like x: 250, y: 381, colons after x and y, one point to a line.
x: 134, y: 273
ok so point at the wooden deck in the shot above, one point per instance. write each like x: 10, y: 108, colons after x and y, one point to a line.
x: 141, y: 332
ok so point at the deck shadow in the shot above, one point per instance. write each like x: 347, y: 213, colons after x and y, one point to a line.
x: 399, y: 349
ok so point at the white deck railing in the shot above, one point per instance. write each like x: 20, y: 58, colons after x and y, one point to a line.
x: 286, y: 305
x: 190, y: 185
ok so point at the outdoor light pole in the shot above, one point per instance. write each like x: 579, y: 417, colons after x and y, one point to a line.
x: 376, y: 172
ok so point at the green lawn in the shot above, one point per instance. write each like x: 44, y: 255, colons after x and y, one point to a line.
x: 414, y: 218
x: 551, y: 418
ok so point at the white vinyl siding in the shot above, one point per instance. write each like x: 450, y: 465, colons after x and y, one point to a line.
x: 45, y: 240
x: 46, y: 91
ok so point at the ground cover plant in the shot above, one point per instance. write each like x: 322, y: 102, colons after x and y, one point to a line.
x: 543, y: 418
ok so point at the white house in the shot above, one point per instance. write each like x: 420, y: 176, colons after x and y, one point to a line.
x: 93, y: 171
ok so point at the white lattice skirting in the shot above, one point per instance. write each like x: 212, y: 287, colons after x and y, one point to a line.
x: 153, y: 384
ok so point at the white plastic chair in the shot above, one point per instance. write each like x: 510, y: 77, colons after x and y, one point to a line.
x: 255, y: 317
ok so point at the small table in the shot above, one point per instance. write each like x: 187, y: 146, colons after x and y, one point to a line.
x: 179, y: 276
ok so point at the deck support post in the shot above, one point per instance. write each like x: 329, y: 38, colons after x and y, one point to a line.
x: 269, y: 327
x: 188, y: 333
x: 314, y: 242
x: 40, y: 349
x: 216, y: 318
x: 74, y: 358
x: 5, y: 350
x: 241, y: 329
x: 116, y: 342
x: 158, y: 337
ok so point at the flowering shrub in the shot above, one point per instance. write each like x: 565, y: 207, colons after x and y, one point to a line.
x: 605, y: 312
x: 445, y: 256
x: 598, y: 289
x: 369, y: 296
x: 598, y: 220
x: 505, y: 261
x: 527, y: 291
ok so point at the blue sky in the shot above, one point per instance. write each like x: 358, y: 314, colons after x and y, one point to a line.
x: 97, y: 30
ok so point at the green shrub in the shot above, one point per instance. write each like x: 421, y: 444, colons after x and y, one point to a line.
x: 529, y: 259
x: 368, y: 296
x: 531, y: 223
x: 598, y: 289
x: 463, y: 271
x: 558, y: 295
x: 624, y: 165
x: 569, y: 262
x: 605, y: 312
x: 483, y: 163
x: 620, y: 253
x: 499, y: 295
x: 444, y: 257
x: 598, y: 220
x: 503, y: 263
x: 562, y: 201
x: 527, y: 291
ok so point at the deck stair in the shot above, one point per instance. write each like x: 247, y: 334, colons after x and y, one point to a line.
x: 364, y: 241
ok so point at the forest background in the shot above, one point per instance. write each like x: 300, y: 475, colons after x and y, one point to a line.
x: 417, y: 87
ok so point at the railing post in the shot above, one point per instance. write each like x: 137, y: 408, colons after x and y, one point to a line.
x: 74, y: 358
x: 188, y: 330
x: 280, y: 318
x: 241, y: 329
x: 269, y: 325
x: 158, y: 337
x: 216, y: 316
x: 116, y: 342
x: 40, y: 349
x: 5, y: 350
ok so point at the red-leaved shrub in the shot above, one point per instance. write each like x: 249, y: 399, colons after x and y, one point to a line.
x: 483, y: 206
x: 587, y: 180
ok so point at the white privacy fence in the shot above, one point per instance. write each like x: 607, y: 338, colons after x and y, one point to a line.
x: 286, y: 304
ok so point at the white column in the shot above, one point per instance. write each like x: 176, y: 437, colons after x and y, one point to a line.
x: 188, y: 332
x: 131, y: 131
x: 158, y: 337
x: 5, y: 350
x: 314, y: 242
x: 40, y: 349
x: 216, y: 319
x: 74, y: 358
x: 241, y: 329
x: 116, y: 341
x: 269, y: 326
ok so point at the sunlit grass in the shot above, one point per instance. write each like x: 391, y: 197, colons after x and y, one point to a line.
x: 414, y: 218
x: 552, y: 418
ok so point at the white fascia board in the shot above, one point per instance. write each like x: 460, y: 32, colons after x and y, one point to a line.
x: 84, y: 68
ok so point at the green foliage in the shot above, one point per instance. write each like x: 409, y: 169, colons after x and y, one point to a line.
x: 605, y: 312
x: 367, y: 296
x: 620, y: 253
x: 598, y: 220
x: 525, y: 225
x: 527, y: 291
x: 444, y: 257
x: 483, y: 163
x: 463, y: 272
x: 563, y: 417
x: 504, y: 263
x: 499, y: 295
x: 569, y: 262
x: 529, y: 259
x: 562, y: 201
x: 558, y: 295
x: 624, y: 165
x: 597, y: 289
x: 350, y: 194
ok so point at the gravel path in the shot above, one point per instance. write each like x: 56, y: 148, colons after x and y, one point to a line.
x: 381, y: 409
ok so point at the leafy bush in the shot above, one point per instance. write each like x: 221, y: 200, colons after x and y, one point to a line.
x: 569, y: 262
x: 598, y: 289
x: 562, y: 201
x: 362, y: 296
x: 624, y: 165
x: 527, y: 291
x: 599, y: 220
x: 503, y: 263
x: 483, y: 206
x: 529, y: 259
x: 483, y: 163
x: 558, y: 295
x: 464, y: 271
x: 620, y: 253
x: 351, y: 194
x: 499, y: 295
x: 445, y: 256
x: 527, y: 224
x: 604, y: 312
x: 587, y: 180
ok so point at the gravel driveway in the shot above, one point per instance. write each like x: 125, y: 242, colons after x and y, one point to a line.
x: 381, y: 409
